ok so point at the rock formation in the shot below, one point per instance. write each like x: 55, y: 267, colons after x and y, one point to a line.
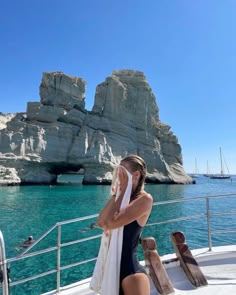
x: 58, y: 134
x: 4, y: 118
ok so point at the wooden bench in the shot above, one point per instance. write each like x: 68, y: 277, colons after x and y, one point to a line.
x: 187, y: 261
x: 157, y: 271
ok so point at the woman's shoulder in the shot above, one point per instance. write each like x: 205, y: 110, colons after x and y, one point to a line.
x: 146, y: 196
x: 145, y: 203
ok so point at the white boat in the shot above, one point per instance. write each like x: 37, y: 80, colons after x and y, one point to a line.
x: 217, y: 264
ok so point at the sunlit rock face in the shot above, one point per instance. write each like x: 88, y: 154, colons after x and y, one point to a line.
x: 4, y: 118
x: 58, y: 134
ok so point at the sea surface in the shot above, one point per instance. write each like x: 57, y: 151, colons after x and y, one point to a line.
x: 32, y: 210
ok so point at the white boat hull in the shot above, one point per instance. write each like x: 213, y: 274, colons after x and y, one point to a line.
x: 218, y: 266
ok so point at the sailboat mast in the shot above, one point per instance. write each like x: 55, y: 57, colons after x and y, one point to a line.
x: 196, y: 168
x: 221, y: 165
x: 221, y: 175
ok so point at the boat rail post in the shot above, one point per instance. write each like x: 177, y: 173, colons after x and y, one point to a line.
x: 208, y: 223
x: 5, y: 285
x: 58, y: 258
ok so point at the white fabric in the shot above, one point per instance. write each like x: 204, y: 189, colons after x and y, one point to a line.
x: 106, y: 275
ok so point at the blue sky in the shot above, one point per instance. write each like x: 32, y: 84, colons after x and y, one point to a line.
x: 186, y: 49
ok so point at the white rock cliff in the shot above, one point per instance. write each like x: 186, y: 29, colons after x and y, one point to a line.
x: 58, y: 134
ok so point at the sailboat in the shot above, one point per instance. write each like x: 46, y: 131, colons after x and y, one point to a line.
x: 207, y: 174
x: 221, y: 175
x: 196, y: 172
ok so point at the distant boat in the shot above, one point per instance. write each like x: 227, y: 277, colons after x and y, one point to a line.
x: 221, y: 175
x: 196, y: 172
x: 207, y: 172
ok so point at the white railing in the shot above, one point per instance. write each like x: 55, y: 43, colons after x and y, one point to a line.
x: 3, y: 266
x: 3, y: 261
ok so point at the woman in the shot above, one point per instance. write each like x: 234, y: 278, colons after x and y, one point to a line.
x: 133, y: 279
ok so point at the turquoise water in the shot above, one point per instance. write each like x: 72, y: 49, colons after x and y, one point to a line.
x: 32, y: 210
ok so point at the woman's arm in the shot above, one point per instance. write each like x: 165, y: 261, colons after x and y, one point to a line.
x: 140, y: 208
x: 113, y: 206
x: 107, y: 213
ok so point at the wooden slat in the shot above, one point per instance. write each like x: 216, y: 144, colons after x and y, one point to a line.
x: 157, y: 271
x: 187, y: 261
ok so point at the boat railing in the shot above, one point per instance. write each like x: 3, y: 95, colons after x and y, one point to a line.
x: 208, y: 214
x: 25, y: 254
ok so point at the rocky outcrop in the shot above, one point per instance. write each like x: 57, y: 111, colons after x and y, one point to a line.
x: 58, y: 134
x: 4, y: 118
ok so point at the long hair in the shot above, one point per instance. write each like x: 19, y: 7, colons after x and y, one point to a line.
x: 137, y: 163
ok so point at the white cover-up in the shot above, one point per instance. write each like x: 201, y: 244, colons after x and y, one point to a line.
x: 106, y: 275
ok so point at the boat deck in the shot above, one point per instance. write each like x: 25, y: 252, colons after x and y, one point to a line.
x: 218, y: 266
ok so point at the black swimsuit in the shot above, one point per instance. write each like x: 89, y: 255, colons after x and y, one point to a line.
x: 129, y: 260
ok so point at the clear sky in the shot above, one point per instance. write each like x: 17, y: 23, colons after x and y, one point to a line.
x: 186, y: 49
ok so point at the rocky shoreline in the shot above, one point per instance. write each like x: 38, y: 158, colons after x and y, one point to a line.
x: 58, y: 135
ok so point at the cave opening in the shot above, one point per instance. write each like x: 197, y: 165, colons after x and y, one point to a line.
x: 68, y: 174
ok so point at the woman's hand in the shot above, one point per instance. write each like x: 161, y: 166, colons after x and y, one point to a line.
x: 123, y: 179
x: 112, y: 208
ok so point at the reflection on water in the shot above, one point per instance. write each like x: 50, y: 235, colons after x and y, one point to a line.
x: 163, y: 192
x: 70, y: 178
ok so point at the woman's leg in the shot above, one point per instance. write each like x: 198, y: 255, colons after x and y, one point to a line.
x: 137, y: 284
